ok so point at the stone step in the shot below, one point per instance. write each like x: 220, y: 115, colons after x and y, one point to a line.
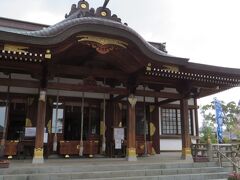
x: 130, y: 174
x: 101, y: 167
x: 115, y: 170
x: 205, y: 176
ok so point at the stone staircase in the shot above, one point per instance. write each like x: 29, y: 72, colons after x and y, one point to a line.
x: 118, y: 170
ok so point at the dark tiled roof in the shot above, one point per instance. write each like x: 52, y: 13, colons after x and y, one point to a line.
x: 63, y: 30
x: 82, y: 19
x: 19, y: 25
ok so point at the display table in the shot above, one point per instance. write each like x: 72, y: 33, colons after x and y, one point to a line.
x: 90, y: 147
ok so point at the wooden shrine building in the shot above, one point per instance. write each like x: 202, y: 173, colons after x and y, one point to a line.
x: 91, y: 85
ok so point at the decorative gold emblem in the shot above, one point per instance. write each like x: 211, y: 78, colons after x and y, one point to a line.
x: 19, y: 49
x: 83, y: 6
x: 171, y: 68
x: 153, y: 151
x: 28, y: 122
x: 152, y: 129
x: 102, y: 128
x: 102, y: 45
x: 149, y: 67
x: 103, y: 13
x: 48, y: 54
x: 49, y: 126
x: 151, y: 108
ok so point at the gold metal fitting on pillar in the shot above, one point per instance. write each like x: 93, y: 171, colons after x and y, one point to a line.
x: 42, y: 96
x: 38, y: 152
x: 186, y: 151
x: 132, y: 100
x: 131, y: 152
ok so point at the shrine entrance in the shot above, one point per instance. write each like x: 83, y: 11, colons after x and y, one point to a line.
x: 74, y: 123
x: 17, y: 117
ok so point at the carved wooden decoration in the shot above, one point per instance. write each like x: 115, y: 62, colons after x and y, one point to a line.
x: 15, y: 48
x: 102, y: 45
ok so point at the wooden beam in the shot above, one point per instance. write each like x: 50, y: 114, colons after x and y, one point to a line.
x: 158, y: 94
x: 170, y: 82
x: 166, y: 101
x: 87, y: 88
x: 122, y: 92
x: 19, y: 83
x: 101, y: 89
x: 119, y: 97
x: 20, y: 66
x: 67, y: 70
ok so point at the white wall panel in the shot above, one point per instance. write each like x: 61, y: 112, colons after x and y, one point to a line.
x: 170, y: 144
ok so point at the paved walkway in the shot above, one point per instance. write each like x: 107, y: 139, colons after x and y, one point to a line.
x: 164, y: 158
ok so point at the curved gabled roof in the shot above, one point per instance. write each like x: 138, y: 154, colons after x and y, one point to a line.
x: 81, y: 19
x: 153, y: 62
x: 57, y: 33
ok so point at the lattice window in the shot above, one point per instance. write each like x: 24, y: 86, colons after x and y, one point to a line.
x: 171, y: 121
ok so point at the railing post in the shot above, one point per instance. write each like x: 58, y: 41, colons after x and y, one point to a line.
x: 209, y: 150
x: 236, y: 165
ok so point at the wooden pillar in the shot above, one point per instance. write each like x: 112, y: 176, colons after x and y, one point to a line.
x: 154, y: 129
x: 109, y: 125
x: 117, y: 114
x: 38, y: 150
x: 186, y: 150
x: 196, y: 117
x: 131, y: 130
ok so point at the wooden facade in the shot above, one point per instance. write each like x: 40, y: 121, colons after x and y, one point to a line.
x: 76, y: 82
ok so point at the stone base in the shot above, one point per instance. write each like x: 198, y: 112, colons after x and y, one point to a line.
x: 38, y: 161
x: 187, y: 158
x: 4, y: 164
x: 131, y: 158
x: 187, y: 155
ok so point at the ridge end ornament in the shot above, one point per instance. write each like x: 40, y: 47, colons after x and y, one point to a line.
x: 105, y: 3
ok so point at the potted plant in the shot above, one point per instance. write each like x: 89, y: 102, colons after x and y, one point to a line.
x: 234, y: 176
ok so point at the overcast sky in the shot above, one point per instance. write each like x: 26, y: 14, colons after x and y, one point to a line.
x: 206, y: 31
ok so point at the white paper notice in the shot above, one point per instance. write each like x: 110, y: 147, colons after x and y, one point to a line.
x: 45, y: 139
x: 119, y: 133
x: 30, y: 132
x: 118, y: 144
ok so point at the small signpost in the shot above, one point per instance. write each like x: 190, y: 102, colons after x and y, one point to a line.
x: 118, y: 137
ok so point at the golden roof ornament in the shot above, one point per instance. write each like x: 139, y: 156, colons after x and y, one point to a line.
x: 82, y: 10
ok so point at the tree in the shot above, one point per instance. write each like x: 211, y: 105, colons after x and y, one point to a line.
x: 207, y: 132
x: 230, y: 118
